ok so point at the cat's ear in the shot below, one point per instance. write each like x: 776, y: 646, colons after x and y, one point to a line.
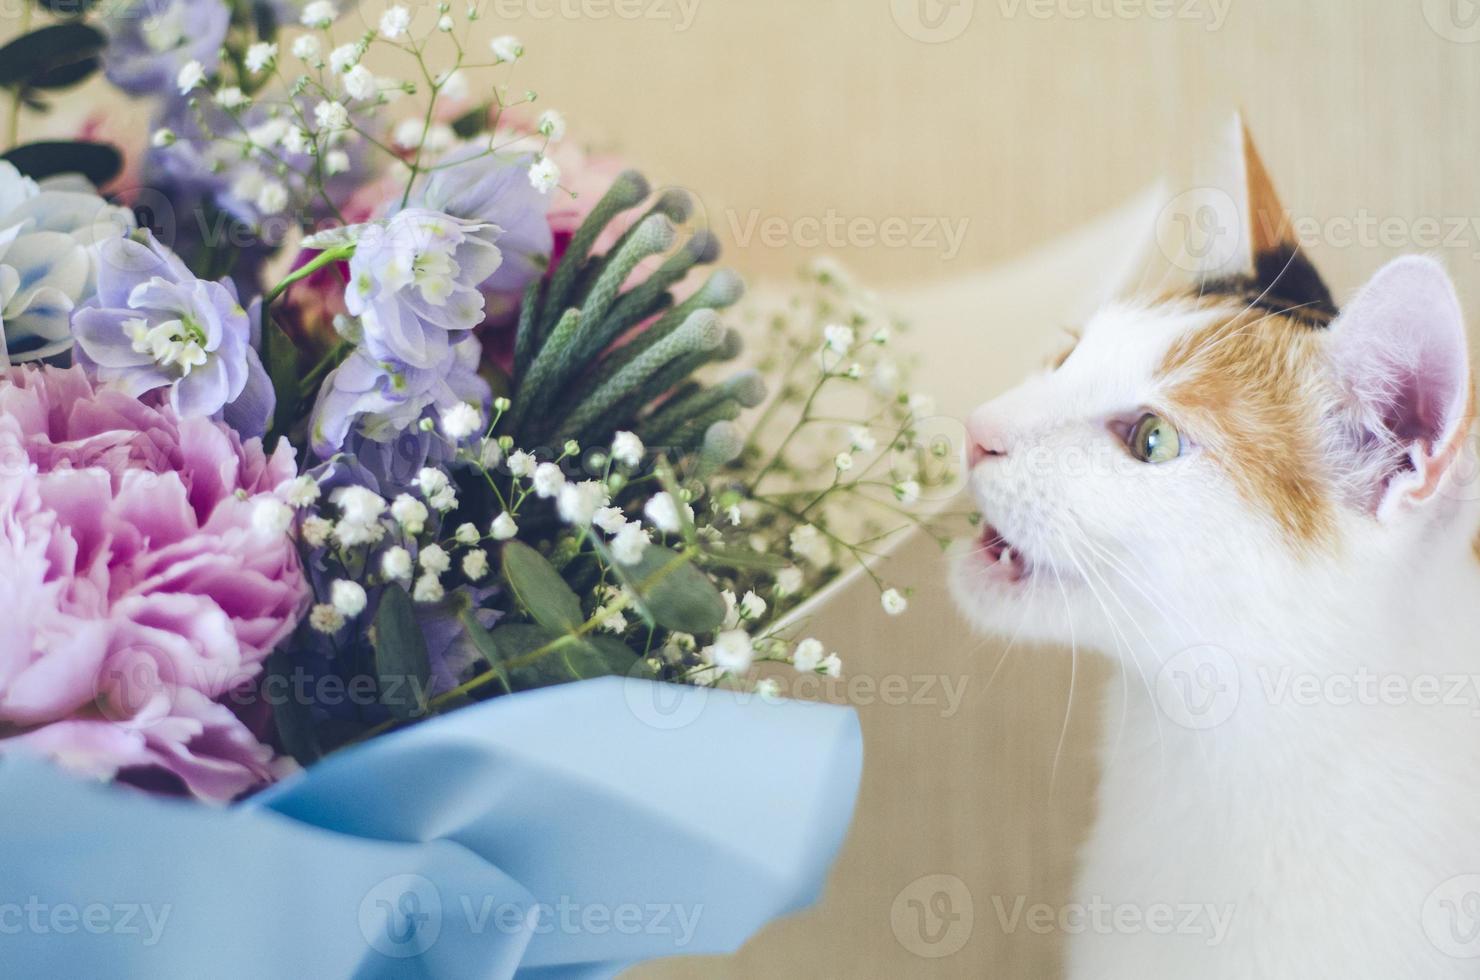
x: 1402, y: 358
x: 1263, y: 254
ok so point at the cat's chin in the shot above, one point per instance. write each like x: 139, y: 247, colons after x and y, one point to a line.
x: 991, y: 582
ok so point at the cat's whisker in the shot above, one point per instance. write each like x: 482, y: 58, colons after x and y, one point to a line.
x: 1073, y: 674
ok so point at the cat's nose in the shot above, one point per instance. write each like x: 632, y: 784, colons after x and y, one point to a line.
x: 987, y: 437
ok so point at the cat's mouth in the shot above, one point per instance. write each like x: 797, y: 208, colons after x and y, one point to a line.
x: 1002, y: 557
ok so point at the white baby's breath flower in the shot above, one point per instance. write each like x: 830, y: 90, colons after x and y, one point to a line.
x: 893, y: 602
x: 627, y: 448
x: 662, y: 510
x: 331, y: 116
x: 609, y: 519
x: 273, y: 197
x: 552, y: 124
x: 336, y: 162
x: 300, y: 492
x: 271, y: 517
x: 907, y: 492
x: 752, y: 606
x: 731, y: 651
x: 162, y: 137
x: 319, y: 13
x: 348, y: 597
x: 808, y: 655
x: 427, y: 589
x: 191, y: 74
x: 768, y: 689
x: 358, y: 505
x: 351, y: 534
x: 324, y: 618
x: 316, y: 531
x: 578, y: 503
x: 808, y: 544
x: 461, y: 421
x: 443, y: 500
x: 231, y: 97
x: 295, y: 140
x: 503, y: 527
x: 544, y: 175
x: 881, y: 336
x: 615, y: 623
x: 359, y: 83
x: 921, y: 404
x: 838, y: 338
x: 395, y: 564
x: 843, y: 462
x: 490, y: 454
x: 260, y: 55
x: 630, y: 543
x: 862, y: 440
x: 548, y: 480
x: 410, y: 513
x: 521, y: 464
x: 475, y: 565
x: 789, y: 580
x: 467, y: 534
x: 832, y: 666
x: 453, y: 85
x: 444, y: 24
x: 434, y: 559
x: 430, y: 480
x: 306, y: 47
x: 732, y: 610
x: 394, y: 22
x: 506, y: 47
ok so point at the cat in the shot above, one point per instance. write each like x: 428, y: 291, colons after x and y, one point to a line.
x: 1265, y: 507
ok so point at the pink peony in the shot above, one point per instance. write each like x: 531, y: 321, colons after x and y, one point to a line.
x: 138, y: 588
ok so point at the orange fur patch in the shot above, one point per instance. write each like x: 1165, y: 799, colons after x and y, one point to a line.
x: 1244, y: 383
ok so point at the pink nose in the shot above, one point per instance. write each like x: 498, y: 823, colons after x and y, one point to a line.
x: 988, y: 438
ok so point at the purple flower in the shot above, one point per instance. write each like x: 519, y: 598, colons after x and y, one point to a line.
x: 149, y: 41
x: 154, y: 325
x: 414, y: 283
x: 143, y: 587
x: 381, y: 399
x: 475, y: 185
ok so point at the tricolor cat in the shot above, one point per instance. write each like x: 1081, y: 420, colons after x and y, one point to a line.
x: 1265, y: 507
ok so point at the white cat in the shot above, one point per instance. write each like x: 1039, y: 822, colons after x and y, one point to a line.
x: 1266, y: 510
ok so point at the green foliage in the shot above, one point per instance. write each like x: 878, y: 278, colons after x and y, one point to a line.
x: 673, y: 593
x: 540, y: 589
x: 401, y: 661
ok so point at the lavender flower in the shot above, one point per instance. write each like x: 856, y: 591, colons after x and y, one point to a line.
x: 149, y: 41
x: 381, y: 399
x: 475, y: 185
x: 413, y: 283
x: 154, y: 325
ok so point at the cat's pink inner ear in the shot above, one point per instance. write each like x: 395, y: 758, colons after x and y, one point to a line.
x: 1401, y: 351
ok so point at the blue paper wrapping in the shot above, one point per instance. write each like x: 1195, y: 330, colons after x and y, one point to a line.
x: 557, y: 834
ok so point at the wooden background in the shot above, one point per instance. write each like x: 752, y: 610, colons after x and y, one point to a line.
x: 1015, y: 120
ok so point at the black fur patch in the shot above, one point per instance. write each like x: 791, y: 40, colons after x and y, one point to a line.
x: 1284, y: 282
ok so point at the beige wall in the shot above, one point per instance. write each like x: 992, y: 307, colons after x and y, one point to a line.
x: 1022, y: 126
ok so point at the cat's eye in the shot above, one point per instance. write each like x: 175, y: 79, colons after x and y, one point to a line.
x: 1154, y: 440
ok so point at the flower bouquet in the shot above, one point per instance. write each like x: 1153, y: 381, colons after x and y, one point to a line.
x: 348, y: 424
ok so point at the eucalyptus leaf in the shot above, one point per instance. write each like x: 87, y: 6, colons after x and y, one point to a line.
x: 280, y: 358
x: 292, y: 717
x: 673, y: 592
x: 744, y: 558
x: 32, y: 55
x: 540, y: 589
x: 401, y: 661
x: 98, y: 162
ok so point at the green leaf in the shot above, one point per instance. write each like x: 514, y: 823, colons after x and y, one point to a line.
x: 540, y: 589
x: 292, y: 717
x: 281, y: 361
x: 673, y: 592
x: 744, y: 558
x: 401, y: 661
x: 570, y: 658
x: 32, y: 56
x: 483, y: 640
x: 98, y: 162
x: 472, y: 122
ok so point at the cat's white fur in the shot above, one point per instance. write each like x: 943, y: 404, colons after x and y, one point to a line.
x: 1335, y: 831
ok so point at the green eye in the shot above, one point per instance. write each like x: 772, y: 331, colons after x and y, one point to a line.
x: 1155, y: 440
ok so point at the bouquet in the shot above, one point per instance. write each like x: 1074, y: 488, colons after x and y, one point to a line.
x: 355, y: 400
